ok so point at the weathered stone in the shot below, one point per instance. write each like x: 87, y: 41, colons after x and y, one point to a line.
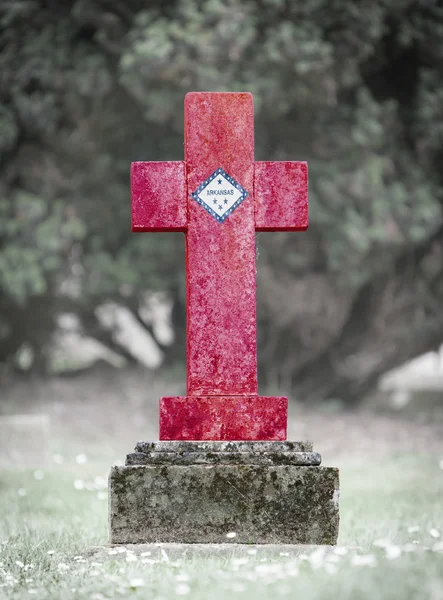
x: 202, y: 503
x: 224, y: 458
x: 199, y: 493
x: 219, y: 197
x: 215, y: 446
x: 228, y: 417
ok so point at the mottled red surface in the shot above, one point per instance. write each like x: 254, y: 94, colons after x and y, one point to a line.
x: 158, y: 196
x: 281, y: 196
x: 222, y: 400
x: 221, y: 313
x: 223, y: 418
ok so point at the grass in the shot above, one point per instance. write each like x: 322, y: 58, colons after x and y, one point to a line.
x: 391, y: 470
x: 49, y: 521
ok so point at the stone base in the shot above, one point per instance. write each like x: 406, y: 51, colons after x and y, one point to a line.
x: 267, y: 497
x: 223, y: 417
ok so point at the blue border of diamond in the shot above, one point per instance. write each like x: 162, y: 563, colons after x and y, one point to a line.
x: 232, y: 181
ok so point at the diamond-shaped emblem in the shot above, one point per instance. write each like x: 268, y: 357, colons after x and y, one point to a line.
x: 220, y: 194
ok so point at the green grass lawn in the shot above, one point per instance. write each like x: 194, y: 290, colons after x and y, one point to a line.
x: 392, y: 509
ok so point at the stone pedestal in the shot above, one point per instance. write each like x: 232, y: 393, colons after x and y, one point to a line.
x: 199, y: 492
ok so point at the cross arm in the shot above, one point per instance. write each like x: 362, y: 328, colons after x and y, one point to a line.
x: 281, y: 196
x: 158, y: 196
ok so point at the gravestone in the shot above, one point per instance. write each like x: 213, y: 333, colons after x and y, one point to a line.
x: 222, y: 465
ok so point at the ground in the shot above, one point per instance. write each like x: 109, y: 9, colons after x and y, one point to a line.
x: 391, y: 469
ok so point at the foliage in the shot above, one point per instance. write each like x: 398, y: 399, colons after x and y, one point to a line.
x: 85, y: 88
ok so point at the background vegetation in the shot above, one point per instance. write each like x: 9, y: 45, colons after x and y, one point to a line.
x: 354, y: 88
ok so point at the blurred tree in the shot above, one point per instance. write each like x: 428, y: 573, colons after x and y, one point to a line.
x: 355, y: 89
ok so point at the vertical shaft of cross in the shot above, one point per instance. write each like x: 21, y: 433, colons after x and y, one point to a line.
x: 220, y: 258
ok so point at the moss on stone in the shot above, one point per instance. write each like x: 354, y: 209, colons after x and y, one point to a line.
x: 198, y: 503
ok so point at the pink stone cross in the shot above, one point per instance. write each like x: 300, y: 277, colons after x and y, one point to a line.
x: 219, y: 197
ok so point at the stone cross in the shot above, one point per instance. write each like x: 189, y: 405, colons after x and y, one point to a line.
x: 219, y: 197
